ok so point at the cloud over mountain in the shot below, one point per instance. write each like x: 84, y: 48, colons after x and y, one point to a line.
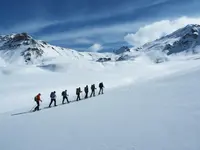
x: 158, y: 29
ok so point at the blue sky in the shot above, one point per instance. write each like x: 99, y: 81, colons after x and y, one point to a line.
x: 79, y: 24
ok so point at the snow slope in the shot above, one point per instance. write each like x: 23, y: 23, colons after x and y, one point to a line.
x: 149, y: 107
x: 146, y: 105
x: 26, y: 81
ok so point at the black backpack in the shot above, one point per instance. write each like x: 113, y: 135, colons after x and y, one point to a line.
x: 52, y: 95
x: 101, y: 85
x: 86, y: 89
x: 63, y: 93
x: 93, y: 87
x: 77, y: 91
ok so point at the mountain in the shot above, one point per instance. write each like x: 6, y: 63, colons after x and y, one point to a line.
x: 186, y: 40
x: 121, y: 50
x: 22, y: 48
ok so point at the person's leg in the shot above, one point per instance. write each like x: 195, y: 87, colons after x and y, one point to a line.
x: 93, y: 93
x: 63, y: 100
x: 67, y: 99
x: 38, y: 105
x: 35, y: 108
x: 77, y: 98
x: 55, y: 102
x: 50, y: 103
x: 99, y: 91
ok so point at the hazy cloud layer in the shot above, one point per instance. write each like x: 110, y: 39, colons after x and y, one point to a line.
x: 158, y: 29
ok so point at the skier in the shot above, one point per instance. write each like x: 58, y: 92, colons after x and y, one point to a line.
x: 93, y: 90
x: 101, y: 86
x: 53, y: 98
x: 78, y: 92
x: 37, y: 100
x: 64, y: 95
x: 86, y: 91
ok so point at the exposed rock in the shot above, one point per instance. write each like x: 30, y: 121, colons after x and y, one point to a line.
x: 123, y: 49
x: 103, y: 59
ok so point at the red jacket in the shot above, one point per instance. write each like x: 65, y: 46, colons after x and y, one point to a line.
x: 38, y: 97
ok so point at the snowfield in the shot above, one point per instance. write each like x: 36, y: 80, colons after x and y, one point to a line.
x: 146, y: 106
x: 151, y: 99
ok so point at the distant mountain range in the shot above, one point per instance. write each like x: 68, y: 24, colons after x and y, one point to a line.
x: 22, y: 48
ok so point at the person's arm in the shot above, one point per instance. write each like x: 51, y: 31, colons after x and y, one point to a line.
x: 40, y: 99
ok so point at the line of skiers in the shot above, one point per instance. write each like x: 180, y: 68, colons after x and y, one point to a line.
x: 65, y: 95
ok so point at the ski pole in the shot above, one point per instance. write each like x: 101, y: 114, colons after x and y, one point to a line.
x: 33, y: 107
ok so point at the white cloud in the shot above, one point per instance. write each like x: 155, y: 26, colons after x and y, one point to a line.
x: 29, y: 26
x: 109, y: 33
x: 82, y: 41
x: 156, y: 30
x: 96, y: 47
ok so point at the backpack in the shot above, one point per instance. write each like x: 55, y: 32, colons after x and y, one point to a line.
x: 93, y: 87
x: 86, y: 89
x: 63, y: 93
x: 77, y: 91
x: 35, y: 98
x: 101, y: 85
x: 51, y: 95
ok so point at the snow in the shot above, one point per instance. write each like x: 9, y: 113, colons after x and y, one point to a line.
x: 151, y: 100
x: 145, y: 106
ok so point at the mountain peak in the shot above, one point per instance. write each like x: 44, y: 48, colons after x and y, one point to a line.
x: 122, y: 49
x: 22, y: 48
x: 189, y: 29
x: 184, y: 39
x: 15, y: 36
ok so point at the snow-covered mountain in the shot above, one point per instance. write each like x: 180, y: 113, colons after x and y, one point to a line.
x: 186, y: 40
x: 122, y: 49
x: 22, y: 48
